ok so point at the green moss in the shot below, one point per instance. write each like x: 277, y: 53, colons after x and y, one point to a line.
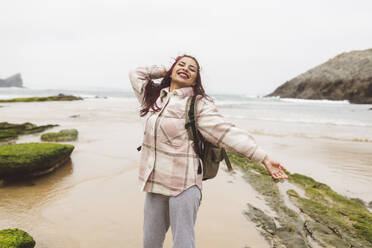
x: 5, y: 134
x: 15, y: 238
x: 12, y: 131
x: 262, y: 182
x: 348, y: 220
x: 60, y: 97
x: 246, y: 164
x: 20, y: 160
x: 63, y: 135
x: 305, y: 181
x: 346, y: 216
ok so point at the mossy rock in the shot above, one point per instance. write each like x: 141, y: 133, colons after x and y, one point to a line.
x: 32, y: 159
x: 59, y: 97
x: 289, y: 232
x: 332, y: 220
x: 347, y: 217
x: 10, y: 131
x: 15, y: 238
x: 63, y: 135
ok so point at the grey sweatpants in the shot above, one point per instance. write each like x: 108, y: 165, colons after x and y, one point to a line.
x: 177, y: 211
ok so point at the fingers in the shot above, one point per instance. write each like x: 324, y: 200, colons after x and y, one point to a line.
x: 276, y: 170
x: 279, y: 175
x: 282, y: 167
x: 278, y: 165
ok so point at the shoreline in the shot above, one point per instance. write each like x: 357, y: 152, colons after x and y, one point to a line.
x: 101, y: 181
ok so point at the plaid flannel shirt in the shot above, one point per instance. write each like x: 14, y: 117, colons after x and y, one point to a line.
x: 169, y: 164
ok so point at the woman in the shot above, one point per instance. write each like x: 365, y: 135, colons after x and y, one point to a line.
x: 169, y: 165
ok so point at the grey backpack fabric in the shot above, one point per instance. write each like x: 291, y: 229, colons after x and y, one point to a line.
x: 210, y: 154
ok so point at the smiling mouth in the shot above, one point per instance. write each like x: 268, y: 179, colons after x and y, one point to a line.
x: 183, y: 75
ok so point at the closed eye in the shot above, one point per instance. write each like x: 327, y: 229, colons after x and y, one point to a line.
x: 191, y: 66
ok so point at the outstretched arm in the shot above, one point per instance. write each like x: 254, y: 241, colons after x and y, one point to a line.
x: 140, y: 76
x: 222, y: 133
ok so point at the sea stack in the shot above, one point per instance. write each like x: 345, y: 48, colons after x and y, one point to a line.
x: 12, y: 81
x: 348, y: 76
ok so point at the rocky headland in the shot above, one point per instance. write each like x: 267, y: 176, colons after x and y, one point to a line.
x: 348, y: 76
x: 12, y: 81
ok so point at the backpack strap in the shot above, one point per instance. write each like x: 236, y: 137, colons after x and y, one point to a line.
x: 227, y: 160
x: 188, y: 121
x: 193, y: 132
x: 191, y: 108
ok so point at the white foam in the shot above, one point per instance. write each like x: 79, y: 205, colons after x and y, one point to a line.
x: 295, y: 100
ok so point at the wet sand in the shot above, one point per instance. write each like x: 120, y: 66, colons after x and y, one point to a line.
x: 95, y: 201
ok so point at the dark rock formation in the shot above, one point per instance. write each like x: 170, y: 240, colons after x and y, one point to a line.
x: 15, y: 238
x: 347, y: 76
x: 322, y: 215
x: 63, y: 135
x: 10, y: 131
x: 59, y: 97
x: 13, y: 81
x: 26, y: 160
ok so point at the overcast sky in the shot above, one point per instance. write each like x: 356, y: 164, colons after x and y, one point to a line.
x: 248, y: 47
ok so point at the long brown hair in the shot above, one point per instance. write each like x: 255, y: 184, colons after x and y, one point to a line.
x: 152, y: 90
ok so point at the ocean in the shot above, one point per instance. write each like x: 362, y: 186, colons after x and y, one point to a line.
x: 325, y: 119
x: 329, y: 141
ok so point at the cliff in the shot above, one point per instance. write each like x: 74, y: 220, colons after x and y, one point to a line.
x: 348, y: 76
x: 13, y: 81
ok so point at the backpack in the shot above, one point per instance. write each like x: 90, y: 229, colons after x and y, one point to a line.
x: 210, y: 154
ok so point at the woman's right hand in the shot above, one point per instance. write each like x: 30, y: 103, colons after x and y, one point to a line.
x: 163, y: 72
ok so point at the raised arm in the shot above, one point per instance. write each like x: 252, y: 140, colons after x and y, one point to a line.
x: 141, y: 75
x: 222, y: 133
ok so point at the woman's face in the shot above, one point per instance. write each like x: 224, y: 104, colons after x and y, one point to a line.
x: 184, y: 73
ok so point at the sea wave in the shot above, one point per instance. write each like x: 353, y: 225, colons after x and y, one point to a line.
x: 307, y: 136
x: 304, y: 121
x: 311, y: 101
x: 7, y: 93
x: 242, y: 101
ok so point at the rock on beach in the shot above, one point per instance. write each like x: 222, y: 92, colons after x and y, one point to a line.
x: 10, y: 131
x: 15, y: 238
x: 18, y: 161
x: 59, y: 97
x: 63, y: 135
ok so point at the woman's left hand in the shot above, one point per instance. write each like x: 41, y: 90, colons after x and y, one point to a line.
x: 274, y: 168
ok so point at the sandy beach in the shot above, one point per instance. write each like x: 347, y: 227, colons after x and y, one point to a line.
x: 95, y: 201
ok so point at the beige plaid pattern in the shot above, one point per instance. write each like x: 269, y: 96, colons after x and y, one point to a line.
x: 168, y: 162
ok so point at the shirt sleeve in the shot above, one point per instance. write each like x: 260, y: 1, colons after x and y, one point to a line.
x: 140, y: 76
x: 224, y: 134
